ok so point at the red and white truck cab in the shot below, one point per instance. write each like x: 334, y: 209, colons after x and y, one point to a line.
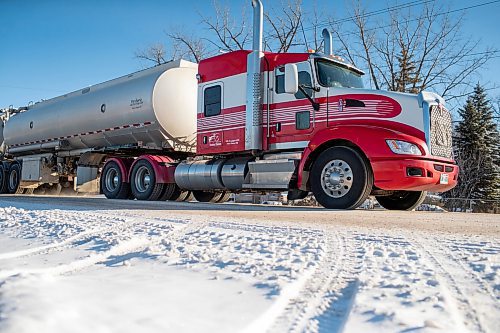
x: 303, y: 122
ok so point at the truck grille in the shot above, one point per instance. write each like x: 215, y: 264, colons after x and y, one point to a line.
x: 441, y: 143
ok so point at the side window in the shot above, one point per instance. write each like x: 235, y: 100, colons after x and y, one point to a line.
x: 212, y: 101
x: 303, y: 120
x: 280, y: 80
x: 304, y: 78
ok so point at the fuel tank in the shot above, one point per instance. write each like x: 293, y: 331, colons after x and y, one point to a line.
x: 154, y: 108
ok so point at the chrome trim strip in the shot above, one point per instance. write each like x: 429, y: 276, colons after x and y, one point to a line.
x: 426, y: 108
x: 289, y: 145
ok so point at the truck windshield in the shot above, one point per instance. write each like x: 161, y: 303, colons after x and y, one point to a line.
x: 333, y: 75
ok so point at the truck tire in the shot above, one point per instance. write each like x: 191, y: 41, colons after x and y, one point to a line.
x: 340, y: 178
x: 207, y: 196
x: 112, y: 185
x: 402, y: 200
x: 143, y: 182
x: 13, y: 178
x: 168, y: 192
x: 3, y: 182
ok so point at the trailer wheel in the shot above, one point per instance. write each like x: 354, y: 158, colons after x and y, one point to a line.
x: 3, y: 182
x: 207, y: 196
x: 402, y: 200
x: 112, y: 184
x: 143, y: 182
x: 340, y: 179
x: 13, y: 178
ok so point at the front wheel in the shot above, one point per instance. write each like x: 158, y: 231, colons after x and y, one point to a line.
x: 341, y: 179
x: 402, y: 200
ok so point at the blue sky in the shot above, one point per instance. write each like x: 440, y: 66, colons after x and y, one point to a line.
x: 51, y: 47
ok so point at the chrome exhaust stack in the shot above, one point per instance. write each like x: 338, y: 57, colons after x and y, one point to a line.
x: 327, y: 41
x: 253, y: 113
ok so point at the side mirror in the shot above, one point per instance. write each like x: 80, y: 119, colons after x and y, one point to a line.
x: 291, y: 79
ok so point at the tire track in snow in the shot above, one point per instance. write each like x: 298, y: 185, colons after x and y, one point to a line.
x: 328, y: 292
x: 123, y: 229
x: 45, y: 249
x: 458, y: 301
x: 121, y: 225
x: 451, y: 248
x: 91, y: 260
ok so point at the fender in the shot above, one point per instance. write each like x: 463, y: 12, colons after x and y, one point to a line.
x: 369, y: 137
x: 162, y: 165
x: 124, y: 165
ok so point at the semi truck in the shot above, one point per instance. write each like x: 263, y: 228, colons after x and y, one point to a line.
x: 242, y: 121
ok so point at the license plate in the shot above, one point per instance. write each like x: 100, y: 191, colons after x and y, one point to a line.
x: 443, y: 179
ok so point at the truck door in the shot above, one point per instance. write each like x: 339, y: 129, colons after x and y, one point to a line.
x: 210, y: 118
x: 291, y: 116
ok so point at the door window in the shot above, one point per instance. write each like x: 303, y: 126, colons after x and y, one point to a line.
x: 304, y: 79
x: 212, y: 101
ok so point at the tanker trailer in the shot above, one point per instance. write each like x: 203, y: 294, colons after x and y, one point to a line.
x: 62, y: 142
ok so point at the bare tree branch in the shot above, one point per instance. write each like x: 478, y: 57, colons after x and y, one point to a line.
x: 189, y: 47
x: 415, y: 50
x: 284, y: 26
x: 155, y: 54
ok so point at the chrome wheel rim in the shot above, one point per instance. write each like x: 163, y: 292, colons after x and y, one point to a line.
x: 336, y: 178
x: 112, y: 180
x: 142, y: 179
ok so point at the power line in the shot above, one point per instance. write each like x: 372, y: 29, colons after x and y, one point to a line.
x: 373, y: 13
x: 413, y: 20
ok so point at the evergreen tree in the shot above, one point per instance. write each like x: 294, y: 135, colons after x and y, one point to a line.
x: 477, y: 144
x: 406, y: 78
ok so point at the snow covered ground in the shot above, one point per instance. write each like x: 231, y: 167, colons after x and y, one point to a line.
x: 83, y: 266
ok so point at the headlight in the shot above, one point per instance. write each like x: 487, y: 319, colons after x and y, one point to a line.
x: 403, y: 147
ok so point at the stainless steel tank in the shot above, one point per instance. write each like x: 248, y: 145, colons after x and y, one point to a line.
x: 154, y: 108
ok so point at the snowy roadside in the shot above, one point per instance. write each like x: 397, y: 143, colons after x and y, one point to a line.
x: 124, y: 271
